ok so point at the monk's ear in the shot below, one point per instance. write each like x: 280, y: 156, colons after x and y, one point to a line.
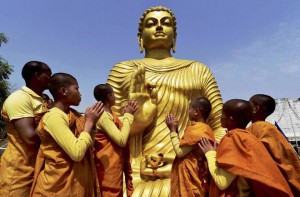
x: 109, y: 97
x: 197, y: 110
x: 255, y: 109
x: 63, y: 91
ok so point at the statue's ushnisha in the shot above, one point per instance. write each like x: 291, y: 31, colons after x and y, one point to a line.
x: 161, y: 84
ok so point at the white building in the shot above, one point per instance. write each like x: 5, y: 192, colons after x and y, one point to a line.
x: 287, y: 116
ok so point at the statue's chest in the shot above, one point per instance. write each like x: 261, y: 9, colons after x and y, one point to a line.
x: 174, y: 87
x: 182, y: 81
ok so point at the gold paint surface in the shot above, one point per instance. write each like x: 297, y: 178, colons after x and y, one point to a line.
x: 161, y: 84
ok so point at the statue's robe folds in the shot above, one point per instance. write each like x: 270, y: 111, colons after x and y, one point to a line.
x: 176, y: 83
x: 281, y: 152
x: 242, y: 154
x: 56, y: 174
x: 190, y: 174
x: 111, y: 162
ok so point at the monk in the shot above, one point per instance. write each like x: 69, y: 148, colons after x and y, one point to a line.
x: 279, y: 148
x: 161, y: 84
x: 65, y: 164
x: 242, y: 166
x: 21, y: 112
x: 190, y: 175
x: 111, y: 148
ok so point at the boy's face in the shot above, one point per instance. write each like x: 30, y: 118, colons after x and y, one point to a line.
x: 192, y: 112
x: 73, y: 94
x: 224, y: 120
x: 112, y: 98
x: 44, y: 77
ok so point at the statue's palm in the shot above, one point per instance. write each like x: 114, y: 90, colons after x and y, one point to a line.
x: 146, y: 96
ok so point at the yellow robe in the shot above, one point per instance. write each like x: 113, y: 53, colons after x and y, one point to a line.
x: 17, y: 164
x: 190, y: 175
x: 18, y: 160
x: 56, y: 174
x: 281, y: 152
x: 111, y: 162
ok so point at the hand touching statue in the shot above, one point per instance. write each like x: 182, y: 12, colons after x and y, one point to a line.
x: 172, y: 123
x: 146, y: 96
x: 131, y: 107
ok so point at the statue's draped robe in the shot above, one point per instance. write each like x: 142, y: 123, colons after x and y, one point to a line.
x: 190, y: 174
x: 56, y: 174
x: 176, y: 83
x: 281, y: 152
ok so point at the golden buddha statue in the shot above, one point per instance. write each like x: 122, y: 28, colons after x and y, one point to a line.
x: 161, y: 84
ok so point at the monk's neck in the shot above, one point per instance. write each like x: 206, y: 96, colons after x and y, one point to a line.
x: 107, y: 108
x: 256, y: 119
x: 158, y: 54
x: 199, y: 119
x: 36, y: 88
x: 60, y: 105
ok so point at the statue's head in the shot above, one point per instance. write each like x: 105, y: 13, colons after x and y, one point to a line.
x: 157, y: 29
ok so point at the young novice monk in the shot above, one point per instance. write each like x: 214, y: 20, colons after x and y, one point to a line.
x: 112, y: 156
x: 64, y: 164
x: 242, y: 166
x: 190, y: 175
x: 21, y: 112
x: 277, y: 145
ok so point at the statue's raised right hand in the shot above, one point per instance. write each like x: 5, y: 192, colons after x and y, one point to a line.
x: 146, y: 96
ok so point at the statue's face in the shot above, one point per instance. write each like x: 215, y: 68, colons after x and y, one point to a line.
x: 158, y: 32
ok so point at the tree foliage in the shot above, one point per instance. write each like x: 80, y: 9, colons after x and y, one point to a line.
x: 5, y: 70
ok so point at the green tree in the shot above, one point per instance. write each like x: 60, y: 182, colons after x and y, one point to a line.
x: 5, y: 70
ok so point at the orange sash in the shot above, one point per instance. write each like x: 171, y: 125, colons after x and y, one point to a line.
x: 242, y: 154
x: 190, y: 175
x: 281, y: 152
x: 111, y: 161
x: 56, y: 174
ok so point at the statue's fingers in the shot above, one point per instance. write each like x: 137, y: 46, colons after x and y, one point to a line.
x: 150, y: 85
x: 153, y: 96
x: 144, y: 88
x: 133, y: 82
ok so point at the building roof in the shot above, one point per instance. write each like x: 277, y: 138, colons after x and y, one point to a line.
x: 287, y: 116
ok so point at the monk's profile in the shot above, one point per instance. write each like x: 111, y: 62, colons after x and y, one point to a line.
x: 160, y: 84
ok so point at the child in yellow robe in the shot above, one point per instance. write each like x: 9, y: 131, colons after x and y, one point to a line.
x: 190, y: 175
x: 64, y: 164
x: 112, y: 156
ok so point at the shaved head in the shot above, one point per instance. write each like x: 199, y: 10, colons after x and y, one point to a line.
x: 203, y: 105
x: 240, y: 110
x: 265, y: 102
x: 102, y: 91
x: 59, y: 80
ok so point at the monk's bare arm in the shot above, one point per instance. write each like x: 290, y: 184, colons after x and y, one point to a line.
x: 26, y: 130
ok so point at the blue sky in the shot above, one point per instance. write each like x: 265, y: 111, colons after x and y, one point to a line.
x: 250, y: 46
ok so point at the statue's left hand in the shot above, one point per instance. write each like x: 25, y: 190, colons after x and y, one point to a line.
x: 146, y: 96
